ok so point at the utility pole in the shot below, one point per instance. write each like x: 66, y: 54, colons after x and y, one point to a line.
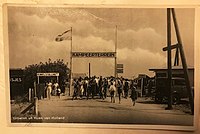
x: 169, y: 64
x: 184, y: 63
x: 179, y: 48
x: 116, y: 51
x: 89, y: 71
x: 70, y: 86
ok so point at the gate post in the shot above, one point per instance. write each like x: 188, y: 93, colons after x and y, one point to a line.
x: 36, y: 105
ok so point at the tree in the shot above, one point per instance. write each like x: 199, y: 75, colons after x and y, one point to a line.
x: 58, y: 66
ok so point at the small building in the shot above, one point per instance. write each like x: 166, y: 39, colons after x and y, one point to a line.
x: 16, y: 82
x: 178, y: 87
x: 141, y: 81
x: 177, y: 72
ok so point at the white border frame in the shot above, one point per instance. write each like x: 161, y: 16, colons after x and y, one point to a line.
x: 108, y: 126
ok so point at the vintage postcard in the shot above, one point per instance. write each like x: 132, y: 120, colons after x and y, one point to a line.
x: 110, y: 66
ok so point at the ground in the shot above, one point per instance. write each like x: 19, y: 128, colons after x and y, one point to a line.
x: 64, y: 110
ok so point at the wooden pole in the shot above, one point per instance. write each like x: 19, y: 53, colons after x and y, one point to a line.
x: 36, y: 106
x: 176, y: 61
x: 29, y: 94
x: 38, y: 79
x: 70, y: 87
x: 35, y: 89
x: 184, y: 63
x: 32, y: 94
x: 116, y: 51
x: 169, y: 66
x: 89, y: 71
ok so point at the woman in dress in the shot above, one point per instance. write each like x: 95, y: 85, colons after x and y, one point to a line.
x: 49, y: 89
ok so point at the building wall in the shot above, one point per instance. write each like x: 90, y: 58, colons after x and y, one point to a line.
x: 176, y: 73
x: 16, y: 83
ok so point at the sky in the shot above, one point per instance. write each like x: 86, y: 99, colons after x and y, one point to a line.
x: 141, y: 35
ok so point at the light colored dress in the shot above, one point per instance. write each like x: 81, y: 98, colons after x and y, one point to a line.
x: 49, y: 89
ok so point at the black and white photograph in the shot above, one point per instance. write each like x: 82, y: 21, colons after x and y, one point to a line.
x: 108, y: 65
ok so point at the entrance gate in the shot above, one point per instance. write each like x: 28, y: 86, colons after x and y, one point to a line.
x: 46, y: 75
x: 40, y: 87
x: 93, y: 55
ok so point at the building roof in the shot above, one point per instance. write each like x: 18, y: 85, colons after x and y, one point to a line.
x: 173, y: 68
x: 16, y: 69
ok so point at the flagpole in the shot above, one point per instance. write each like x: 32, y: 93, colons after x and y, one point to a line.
x: 70, y: 87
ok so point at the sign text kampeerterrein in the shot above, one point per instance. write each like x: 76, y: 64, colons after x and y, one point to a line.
x: 93, y: 54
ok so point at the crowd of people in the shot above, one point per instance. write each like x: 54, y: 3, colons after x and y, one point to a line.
x: 99, y: 86
x: 52, y: 89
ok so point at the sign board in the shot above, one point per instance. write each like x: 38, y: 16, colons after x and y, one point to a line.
x: 47, y: 74
x: 120, y: 68
x: 120, y: 65
x: 93, y: 54
x: 120, y: 71
x: 16, y: 83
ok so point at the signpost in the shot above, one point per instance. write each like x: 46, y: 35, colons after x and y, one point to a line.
x: 120, y: 68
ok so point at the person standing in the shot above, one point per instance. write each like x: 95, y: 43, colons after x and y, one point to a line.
x: 100, y: 86
x: 93, y: 87
x: 133, y: 93
x: 56, y: 86
x: 96, y: 79
x: 75, y: 94
x: 81, y: 89
x: 119, y: 89
x: 105, y: 86
x: 89, y: 88
x: 85, y: 86
x: 58, y: 91
x: 126, y: 87
x: 49, y: 89
x: 112, y: 91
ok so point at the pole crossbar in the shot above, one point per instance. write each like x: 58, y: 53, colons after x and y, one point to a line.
x: 171, y: 47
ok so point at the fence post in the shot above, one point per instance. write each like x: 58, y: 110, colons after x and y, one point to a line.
x: 29, y: 94
x: 36, y: 105
x: 35, y: 89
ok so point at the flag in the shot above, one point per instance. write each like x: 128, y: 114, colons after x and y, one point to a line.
x: 64, y: 36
